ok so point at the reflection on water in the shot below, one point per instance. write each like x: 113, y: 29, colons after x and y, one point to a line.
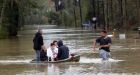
x: 82, y: 60
x: 16, y: 53
x: 14, y: 61
x: 97, y: 60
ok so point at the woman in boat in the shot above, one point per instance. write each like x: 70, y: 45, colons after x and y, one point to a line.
x: 55, y: 42
x: 63, y: 51
x: 52, y: 52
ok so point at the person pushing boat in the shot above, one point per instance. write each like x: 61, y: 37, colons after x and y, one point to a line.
x: 105, y: 43
x: 38, y: 44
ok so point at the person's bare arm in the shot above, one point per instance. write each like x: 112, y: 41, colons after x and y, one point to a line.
x: 94, y: 45
x: 44, y: 48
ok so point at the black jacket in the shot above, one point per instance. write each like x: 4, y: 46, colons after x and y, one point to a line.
x: 38, y: 41
x: 63, y: 51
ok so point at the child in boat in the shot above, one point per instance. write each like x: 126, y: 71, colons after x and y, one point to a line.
x: 56, y: 45
x: 52, y: 52
x: 56, y: 50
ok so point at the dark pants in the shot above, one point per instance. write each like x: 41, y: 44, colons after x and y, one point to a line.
x: 43, y: 56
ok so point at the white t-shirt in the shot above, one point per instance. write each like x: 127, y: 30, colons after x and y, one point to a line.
x: 52, y: 53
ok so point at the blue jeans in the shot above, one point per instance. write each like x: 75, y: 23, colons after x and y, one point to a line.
x: 104, y: 54
x: 37, y: 55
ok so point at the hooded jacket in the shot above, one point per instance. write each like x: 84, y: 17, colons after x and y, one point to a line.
x: 38, y: 41
x: 63, y: 51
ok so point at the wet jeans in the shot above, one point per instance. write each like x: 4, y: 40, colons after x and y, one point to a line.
x: 37, y: 55
x: 104, y: 54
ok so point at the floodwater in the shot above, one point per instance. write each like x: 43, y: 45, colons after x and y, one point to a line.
x: 16, y: 54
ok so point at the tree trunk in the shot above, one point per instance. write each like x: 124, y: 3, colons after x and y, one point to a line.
x: 125, y: 13
x: 104, y: 14
x: 81, y: 17
x: 74, y: 12
x: 112, y: 15
x: 13, y: 17
x: 107, y: 14
x: 121, y: 14
x: 138, y: 8
x: 98, y: 10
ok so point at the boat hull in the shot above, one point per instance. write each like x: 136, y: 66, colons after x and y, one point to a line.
x: 75, y: 58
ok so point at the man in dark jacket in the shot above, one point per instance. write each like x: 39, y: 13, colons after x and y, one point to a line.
x: 63, y: 51
x: 38, y: 44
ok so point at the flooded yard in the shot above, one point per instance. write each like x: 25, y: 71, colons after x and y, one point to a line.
x: 16, y: 54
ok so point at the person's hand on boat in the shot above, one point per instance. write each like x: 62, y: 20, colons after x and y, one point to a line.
x: 94, y: 49
x: 43, y: 48
x: 54, y: 55
x: 94, y: 45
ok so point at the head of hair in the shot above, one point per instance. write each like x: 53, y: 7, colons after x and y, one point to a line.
x: 104, y: 31
x: 39, y: 31
x: 60, y: 43
x: 54, y: 41
x: 52, y: 44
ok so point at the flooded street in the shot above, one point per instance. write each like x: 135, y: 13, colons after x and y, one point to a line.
x: 16, y: 54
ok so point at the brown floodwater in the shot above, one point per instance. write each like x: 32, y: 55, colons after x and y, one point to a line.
x: 16, y: 54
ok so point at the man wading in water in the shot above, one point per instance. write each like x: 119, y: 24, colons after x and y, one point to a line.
x: 38, y: 44
x: 105, y: 43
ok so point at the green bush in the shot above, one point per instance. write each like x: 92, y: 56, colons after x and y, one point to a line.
x: 3, y: 32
